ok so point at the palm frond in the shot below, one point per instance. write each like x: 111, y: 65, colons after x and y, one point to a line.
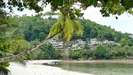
x: 51, y: 13
x: 20, y: 61
x: 56, y: 28
x: 68, y: 29
x: 78, y: 28
x: 69, y: 26
x: 3, y: 70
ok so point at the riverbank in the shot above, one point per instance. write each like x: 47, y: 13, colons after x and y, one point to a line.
x: 32, y: 68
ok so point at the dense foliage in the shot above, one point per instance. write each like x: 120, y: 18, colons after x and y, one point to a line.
x: 35, y: 29
x: 104, y: 52
x: 38, y: 28
x: 10, y: 44
x: 115, y: 7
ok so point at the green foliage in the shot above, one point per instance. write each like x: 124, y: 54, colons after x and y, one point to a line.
x: 75, y: 54
x: 115, y: 7
x: 86, y: 46
x: 93, y: 30
x: 81, y: 54
x: 37, y: 28
x: 66, y: 25
x: 3, y: 70
x: 34, y: 29
x: 48, y: 51
x: 100, y: 52
x: 45, y: 51
x: 108, y: 51
x: 10, y: 44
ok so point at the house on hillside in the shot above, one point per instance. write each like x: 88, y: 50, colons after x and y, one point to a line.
x: 109, y: 42
x: 53, y: 41
x: 59, y: 45
x: 75, y: 47
x: 93, y: 41
x: 80, y: 43
x: 131, y: 35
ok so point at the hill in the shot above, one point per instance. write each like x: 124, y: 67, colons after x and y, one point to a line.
x: 36, y: 28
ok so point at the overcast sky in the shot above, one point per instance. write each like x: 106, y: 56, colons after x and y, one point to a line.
x: 124, y: 23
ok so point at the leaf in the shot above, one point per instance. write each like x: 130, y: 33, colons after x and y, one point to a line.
x: 56, y: 28
x: 127, y: 3
x: 3, y: 70
x: 20, y: 61
x: 68, y: 29
x: 115, y: 1
x: 87, y: 2
x: 78, y: 27
x: 94, y: 3
x: 51, y: 13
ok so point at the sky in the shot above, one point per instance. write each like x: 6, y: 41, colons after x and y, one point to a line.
x: 124, y: 23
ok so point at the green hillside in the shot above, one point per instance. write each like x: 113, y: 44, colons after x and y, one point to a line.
x: 36, y: 28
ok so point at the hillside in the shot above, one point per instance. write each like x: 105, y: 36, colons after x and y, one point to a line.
x: 36, y: 28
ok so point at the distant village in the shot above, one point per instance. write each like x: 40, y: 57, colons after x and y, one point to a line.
x: 79, y: 44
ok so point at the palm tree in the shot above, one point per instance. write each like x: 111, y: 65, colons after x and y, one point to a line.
x: 68, y: 27
x: 65, y: 27
x: 11, y: 57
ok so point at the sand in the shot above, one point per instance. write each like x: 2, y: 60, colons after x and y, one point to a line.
x: 36, y: 69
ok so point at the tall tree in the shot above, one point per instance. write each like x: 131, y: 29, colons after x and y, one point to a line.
x: 68, y: 27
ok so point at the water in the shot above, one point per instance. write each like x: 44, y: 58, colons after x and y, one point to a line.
x: 99, y: 68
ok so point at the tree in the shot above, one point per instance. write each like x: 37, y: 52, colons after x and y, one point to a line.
x: 101, y: 52
x: 67, y: 24
x: 65, y: 27
x: 123, y: 42
x: 48, y: 51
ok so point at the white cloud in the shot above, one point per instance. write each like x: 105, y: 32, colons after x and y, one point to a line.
x: 124, y: 22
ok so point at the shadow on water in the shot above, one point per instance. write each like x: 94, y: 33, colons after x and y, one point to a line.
x: 99, y: 68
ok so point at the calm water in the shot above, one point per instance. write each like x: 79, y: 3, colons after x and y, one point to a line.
x: 99, y: 68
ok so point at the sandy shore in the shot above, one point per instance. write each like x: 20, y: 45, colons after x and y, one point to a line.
x: 32, y: 69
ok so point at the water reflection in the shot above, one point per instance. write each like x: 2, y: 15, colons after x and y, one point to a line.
x: 102, y: 68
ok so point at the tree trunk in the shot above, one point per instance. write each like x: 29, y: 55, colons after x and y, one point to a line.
x: 28, y: 50
x: 65, y: 51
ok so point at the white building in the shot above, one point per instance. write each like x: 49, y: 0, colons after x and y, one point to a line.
x: 131, y: 35
x: 93, y: 41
